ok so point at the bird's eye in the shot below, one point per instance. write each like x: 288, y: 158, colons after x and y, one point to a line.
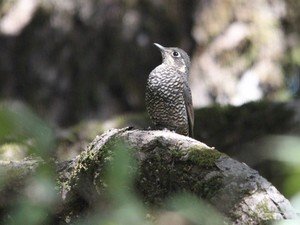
x: 176, y: 54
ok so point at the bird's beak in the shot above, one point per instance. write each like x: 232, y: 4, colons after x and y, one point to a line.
x: 161, y: 48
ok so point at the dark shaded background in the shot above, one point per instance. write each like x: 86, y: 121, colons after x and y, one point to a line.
x: 91, y: 59
x: 71, y: 60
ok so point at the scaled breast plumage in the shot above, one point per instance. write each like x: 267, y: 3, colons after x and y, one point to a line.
x: 166, y: 103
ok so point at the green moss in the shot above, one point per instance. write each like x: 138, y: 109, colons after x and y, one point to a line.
x: 87, y: 164
x: 92, y: 164
x: 261, y: 213
x: 210, y: 187
x: 175, y: 152
x: 203, y: 157
x: 263, y: 209
x: 164, y: 173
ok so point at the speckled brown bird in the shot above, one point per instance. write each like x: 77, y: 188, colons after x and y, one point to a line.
x: 168, y: 95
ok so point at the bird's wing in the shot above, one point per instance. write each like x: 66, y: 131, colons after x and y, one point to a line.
x: 189, y: 108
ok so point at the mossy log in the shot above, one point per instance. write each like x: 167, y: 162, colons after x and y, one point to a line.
x: 169, y: 163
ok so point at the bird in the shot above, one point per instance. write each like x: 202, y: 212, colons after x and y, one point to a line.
x: 168, y: 96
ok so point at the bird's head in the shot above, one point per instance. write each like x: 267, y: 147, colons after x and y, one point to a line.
x: 175, y: 57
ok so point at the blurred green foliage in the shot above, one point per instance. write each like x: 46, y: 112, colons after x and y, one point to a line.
x: 286, y: 149
x: 20, y: 125
x: 38, y: 201
x: 35, y: 203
